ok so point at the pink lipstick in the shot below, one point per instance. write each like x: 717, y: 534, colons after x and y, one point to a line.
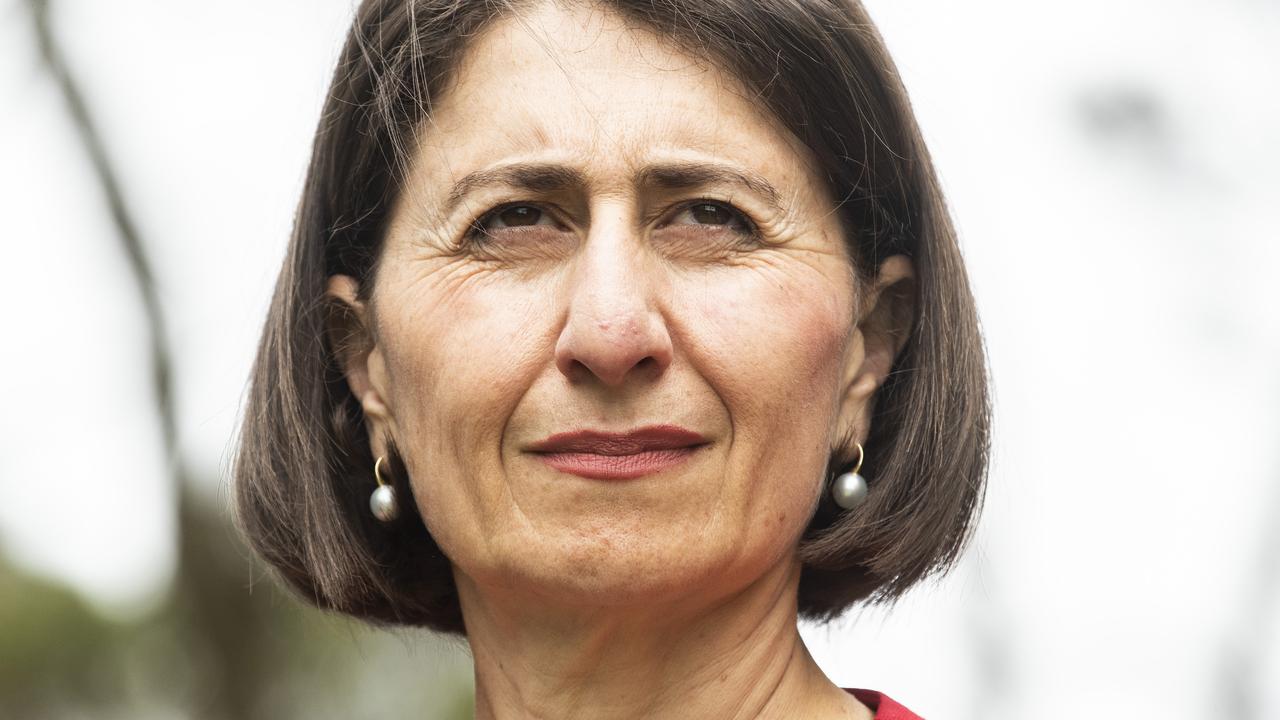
x: 619, y: 456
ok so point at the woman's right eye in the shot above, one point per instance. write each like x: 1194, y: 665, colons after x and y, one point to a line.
x: 511, y: 216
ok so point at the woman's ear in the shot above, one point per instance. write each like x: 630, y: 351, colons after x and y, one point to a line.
x: 349, y: 328
x: 886, y: 313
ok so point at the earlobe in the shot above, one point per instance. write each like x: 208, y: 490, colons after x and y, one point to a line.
x: 884, y: 324
x: 354, y: 346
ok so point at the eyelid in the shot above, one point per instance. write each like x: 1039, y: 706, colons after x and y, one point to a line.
x: 742, y: 216
x: 476, y: 227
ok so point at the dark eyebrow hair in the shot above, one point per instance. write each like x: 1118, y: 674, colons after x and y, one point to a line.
x: 548, y: 178
x: 679, y: 176
x: 536, y: 177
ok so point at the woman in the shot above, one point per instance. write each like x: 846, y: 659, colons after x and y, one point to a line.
x: 615, y: 336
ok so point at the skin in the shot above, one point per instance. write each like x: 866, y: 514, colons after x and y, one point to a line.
x: 610, y: 305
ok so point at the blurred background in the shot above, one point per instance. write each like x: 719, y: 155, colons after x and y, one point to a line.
x: 1114, y: 169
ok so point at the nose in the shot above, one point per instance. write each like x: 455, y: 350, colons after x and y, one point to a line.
x: 614, y: 331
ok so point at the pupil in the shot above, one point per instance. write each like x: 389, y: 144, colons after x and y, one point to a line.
x: 710, y: 214
x: 520, y: 215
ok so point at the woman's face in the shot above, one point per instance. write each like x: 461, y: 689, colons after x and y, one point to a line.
x: 603, y: 233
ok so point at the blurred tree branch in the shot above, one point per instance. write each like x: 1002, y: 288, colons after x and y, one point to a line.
x: 212, y: 617
x: 213, y: 649
x: 126, y: 228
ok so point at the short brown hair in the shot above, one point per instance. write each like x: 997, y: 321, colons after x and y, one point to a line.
x: 304, y: 471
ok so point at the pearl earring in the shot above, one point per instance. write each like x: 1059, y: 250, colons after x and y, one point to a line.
x: 383, y: 501
x: 850, y: 489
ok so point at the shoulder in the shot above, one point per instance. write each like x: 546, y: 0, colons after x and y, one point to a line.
x: 883, y: 706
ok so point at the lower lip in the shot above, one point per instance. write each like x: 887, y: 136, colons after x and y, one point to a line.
x: 617, y: 467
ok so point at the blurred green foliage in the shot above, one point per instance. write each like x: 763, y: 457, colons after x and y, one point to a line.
x: 216, y: 647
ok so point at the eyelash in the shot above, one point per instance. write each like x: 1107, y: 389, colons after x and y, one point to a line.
x: 476, y: 230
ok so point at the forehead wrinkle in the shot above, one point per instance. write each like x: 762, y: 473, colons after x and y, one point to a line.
x: 610, y: 147
x: 531, y: 136
x: 542, y: 36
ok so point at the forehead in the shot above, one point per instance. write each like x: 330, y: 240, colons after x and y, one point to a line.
x: 581, y: 86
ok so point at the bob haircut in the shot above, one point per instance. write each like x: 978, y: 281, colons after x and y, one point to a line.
x: 304, y: 470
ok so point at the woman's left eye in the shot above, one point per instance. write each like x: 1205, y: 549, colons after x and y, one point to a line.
x: 714, y: 215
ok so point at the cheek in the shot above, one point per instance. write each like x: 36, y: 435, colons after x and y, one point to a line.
x: 772, y: 342
x: 463, y: 355
x: 452, y: 343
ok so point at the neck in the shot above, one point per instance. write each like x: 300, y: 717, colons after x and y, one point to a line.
x: 739, y: 658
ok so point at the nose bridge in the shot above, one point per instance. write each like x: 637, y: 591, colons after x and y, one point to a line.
x: 614, y: 329
x: 610, y: 277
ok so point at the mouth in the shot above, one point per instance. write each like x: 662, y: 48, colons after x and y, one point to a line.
x: 619, y: 456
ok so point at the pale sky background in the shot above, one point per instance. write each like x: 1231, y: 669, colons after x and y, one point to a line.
x: 1114, y: 169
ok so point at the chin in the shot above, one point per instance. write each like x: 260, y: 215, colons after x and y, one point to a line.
x: 599, y: 566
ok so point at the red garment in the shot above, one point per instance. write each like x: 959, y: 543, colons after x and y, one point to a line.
x: 884, y: 708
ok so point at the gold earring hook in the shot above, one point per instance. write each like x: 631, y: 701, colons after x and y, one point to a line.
x: 858, y: 467
x: 377, y: 472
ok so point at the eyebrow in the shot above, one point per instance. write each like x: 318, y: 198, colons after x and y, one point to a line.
x: 680, y: 176
x: 548, y: 178
x: 535, y: 177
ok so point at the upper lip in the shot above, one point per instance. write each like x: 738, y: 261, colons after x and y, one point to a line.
x: 650, y: 437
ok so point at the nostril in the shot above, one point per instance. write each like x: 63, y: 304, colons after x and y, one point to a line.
x: 572, y: 368
x: 613, y: 346
x: 649, y: 368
